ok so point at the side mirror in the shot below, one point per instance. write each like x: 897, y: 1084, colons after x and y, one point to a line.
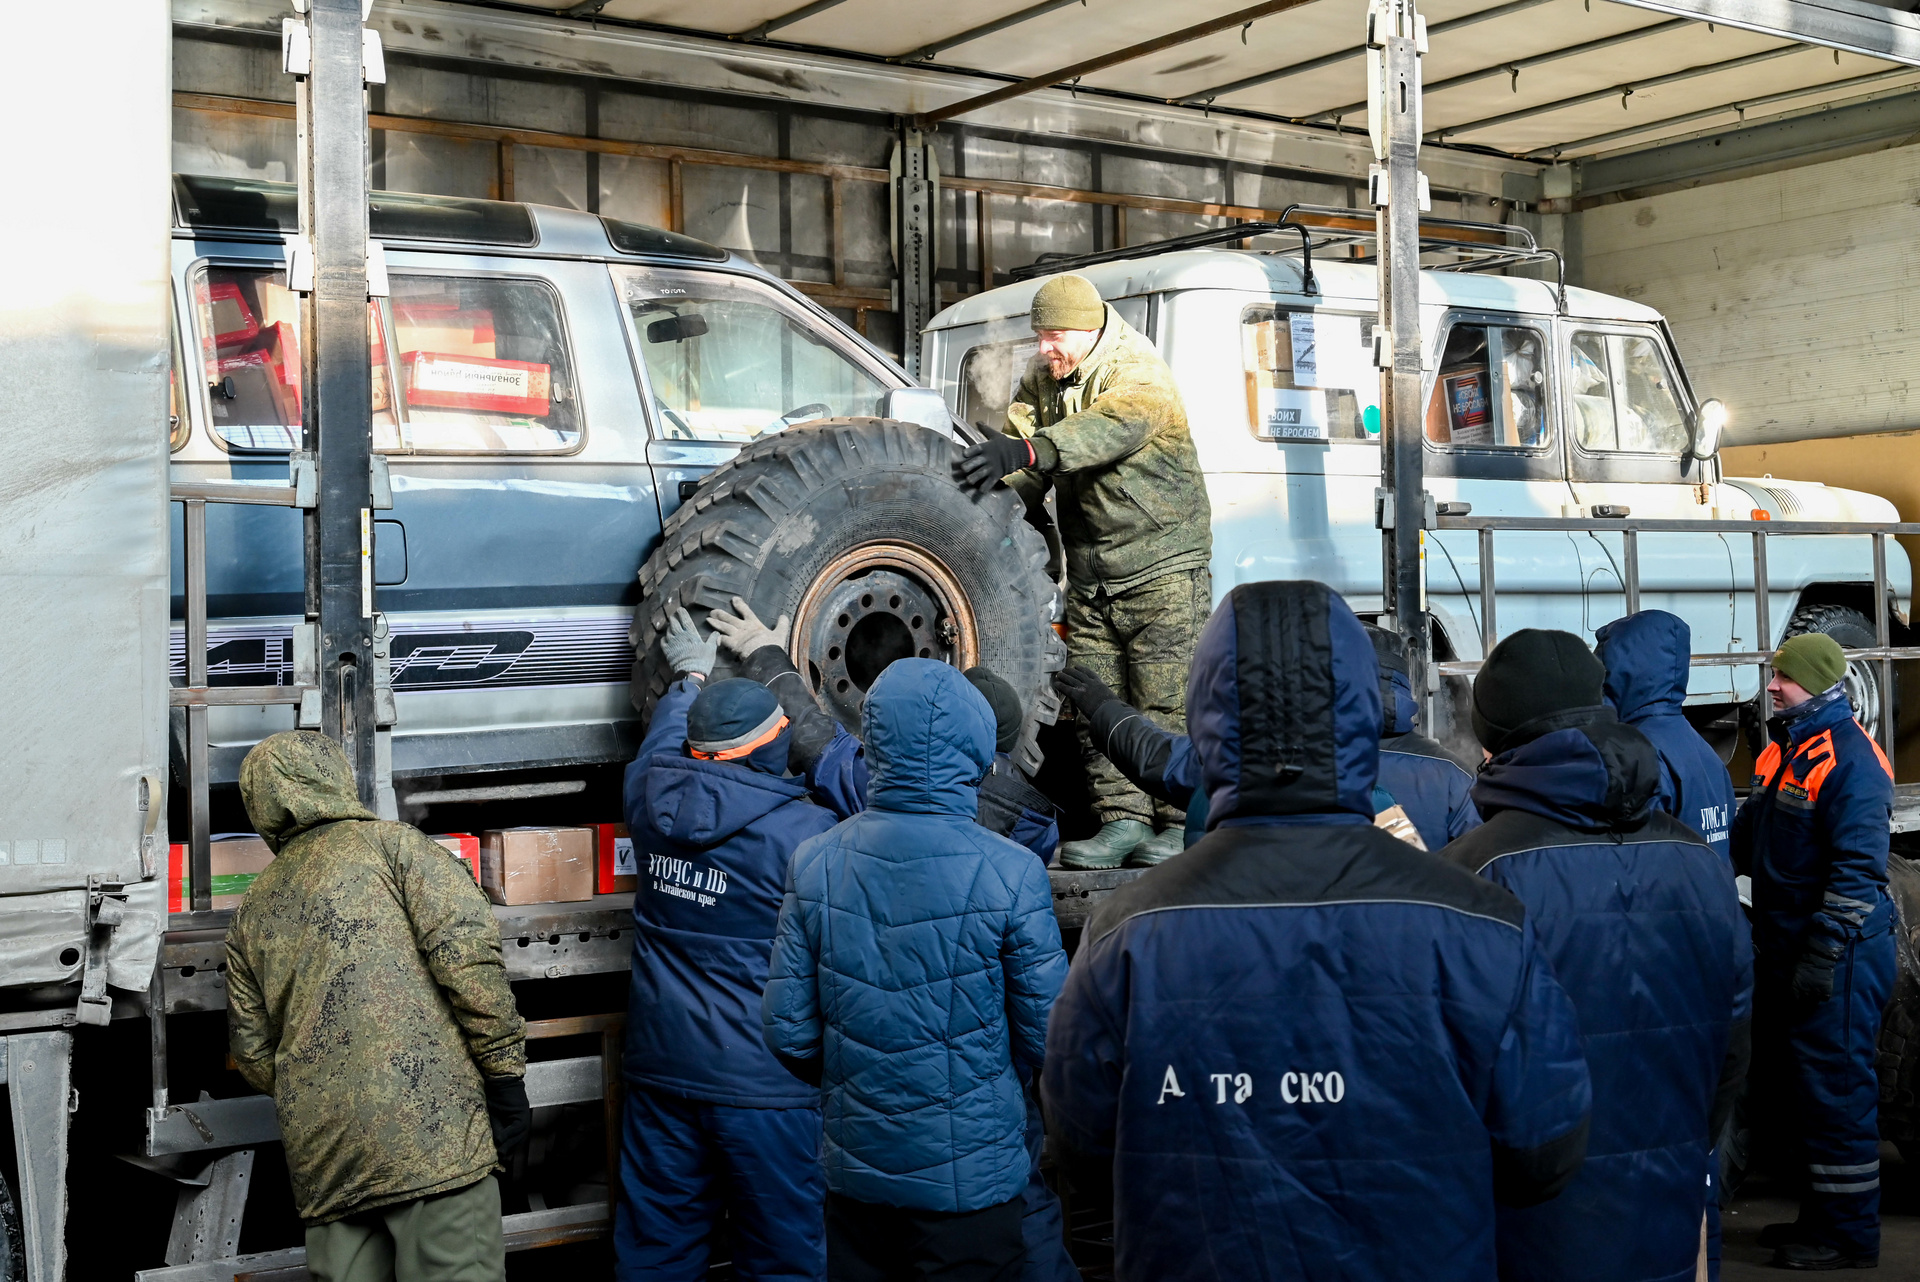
x: 676, y: 329
x: 1708, y: 422
x: 920, y: 405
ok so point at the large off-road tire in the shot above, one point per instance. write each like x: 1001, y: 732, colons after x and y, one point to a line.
x: 855, y: 528
x: 1898, y: 1062
x: 1853, y: 630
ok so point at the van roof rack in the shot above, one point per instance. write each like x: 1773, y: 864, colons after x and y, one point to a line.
x: 1471, y: 246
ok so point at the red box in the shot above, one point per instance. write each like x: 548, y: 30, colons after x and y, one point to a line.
x: 438, y: 381
x: 465, y: 847
x: 228, y: 315
x: 617, y: 869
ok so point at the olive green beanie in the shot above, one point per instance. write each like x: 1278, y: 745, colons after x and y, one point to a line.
x: 1811, y: 661
x: 1068, y: 302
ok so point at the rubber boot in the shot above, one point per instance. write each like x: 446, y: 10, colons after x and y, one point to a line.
x: 1812, y: 1257
x: 1157, y: 849
x: 1107, y: 848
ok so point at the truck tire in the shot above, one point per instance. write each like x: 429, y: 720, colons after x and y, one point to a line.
x: 855, y: 528
x: 1853, y: 630
x: 1898, y: 1061
x: 13, y: 1260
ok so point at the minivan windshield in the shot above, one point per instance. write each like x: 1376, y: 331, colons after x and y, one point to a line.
x: 730, y: 359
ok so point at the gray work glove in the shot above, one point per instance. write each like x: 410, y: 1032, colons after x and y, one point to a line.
x: 743, y: 633
x: 682, y: 648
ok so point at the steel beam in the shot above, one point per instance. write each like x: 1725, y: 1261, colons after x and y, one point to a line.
x: 1621, y: 91
x: 1820, y: 135
x: 1852, y: 26
x: 1513, y: 67
x: 39, y: 1073
x: 1741, y: 107
x: 1086, y: 67
x: 801, y: 14
x: 915, y: 194
x: 1394, y: 124
x: 332, y: 111
x: 1013, y: 19
x: 207, y: 1218
x: 1347, y: 55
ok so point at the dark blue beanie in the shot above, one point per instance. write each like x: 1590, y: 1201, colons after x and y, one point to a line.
x: 730, y: 719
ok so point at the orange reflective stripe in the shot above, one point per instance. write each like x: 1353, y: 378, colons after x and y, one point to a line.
x: 1768, y: 765
x: 1876, y: 749
x: 745, y: 748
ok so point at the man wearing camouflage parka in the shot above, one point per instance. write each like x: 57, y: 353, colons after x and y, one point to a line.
x: 366, y: 995
x: 1097, y: 416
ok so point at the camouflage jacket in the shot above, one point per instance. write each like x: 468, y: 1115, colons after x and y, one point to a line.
x: 365, y: 991
x: 1133, y: 505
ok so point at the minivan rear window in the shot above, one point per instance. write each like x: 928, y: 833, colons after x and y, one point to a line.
x: 241, y: 204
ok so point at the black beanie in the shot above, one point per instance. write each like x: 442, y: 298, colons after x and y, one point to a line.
x: 1008, y: 716
x: 730, y: 715
x: 1535, y: 682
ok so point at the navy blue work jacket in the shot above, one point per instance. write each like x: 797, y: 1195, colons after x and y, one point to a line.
x: 1306, y: 1049
x: 1813, y: 832
x: 1647, y: 657
x: 713, y: 839
x: 1644, y: 929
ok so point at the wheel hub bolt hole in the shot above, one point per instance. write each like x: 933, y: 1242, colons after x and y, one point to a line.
x: 917, y: 623
x: 866, y: 601
x: 833, y: 652
x: 893, y: 603
x: 846, y: 620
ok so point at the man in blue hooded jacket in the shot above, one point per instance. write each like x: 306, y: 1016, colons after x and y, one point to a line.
x: 711, y: 1118
x: 916, y: 959
x: 1644, y: 929
x: 1415, y: 772
x: 1648, y: 658
x: 1813, y: 834
x: 1304, y: 1048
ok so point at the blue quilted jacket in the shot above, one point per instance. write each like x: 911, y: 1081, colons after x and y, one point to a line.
x: 916, y: 960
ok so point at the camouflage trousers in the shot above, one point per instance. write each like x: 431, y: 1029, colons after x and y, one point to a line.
x: 1140, y: 642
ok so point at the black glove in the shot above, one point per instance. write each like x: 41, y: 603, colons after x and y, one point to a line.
x: 982, y: 466
x: 509, y: 1113
x: 1085, y: 691
x: 1813, y: 974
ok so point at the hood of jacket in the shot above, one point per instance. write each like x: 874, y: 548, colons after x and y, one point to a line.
x: 703, y: 803
x: 295, y: 781
x: 1599, y: 777
x: 929, y: 736
x: 1283, y: 705
x: 1396, y: 697
x: 1647, y: 658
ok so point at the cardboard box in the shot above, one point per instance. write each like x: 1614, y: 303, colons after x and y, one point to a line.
x: 237, y: 858
x: 465, y: 847
x: 537, y: 865
x: 618, y: 869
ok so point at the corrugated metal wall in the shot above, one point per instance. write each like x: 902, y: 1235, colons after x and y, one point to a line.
x: 1792, y: 293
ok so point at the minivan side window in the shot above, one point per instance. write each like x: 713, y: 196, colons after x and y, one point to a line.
x: 1622, y: 395
x: 483, y: 366
x: 730, y: 359
x: 247, y: 325
x: 989, y: 376
x: 1310, y: 374
x: 1491, y: 389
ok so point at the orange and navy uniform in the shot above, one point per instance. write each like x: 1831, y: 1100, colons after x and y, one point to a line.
x: 1813, y: 832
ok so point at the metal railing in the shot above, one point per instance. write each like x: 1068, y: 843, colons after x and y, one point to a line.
x: 1881, y: 653
x: 196, y: 696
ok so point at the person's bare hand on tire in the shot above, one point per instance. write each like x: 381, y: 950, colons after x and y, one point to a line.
x: 742, y: 632
x: 983, y: 465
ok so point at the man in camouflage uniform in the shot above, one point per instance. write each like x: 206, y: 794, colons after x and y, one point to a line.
x: 366, y: 995
x: 1097, y: 416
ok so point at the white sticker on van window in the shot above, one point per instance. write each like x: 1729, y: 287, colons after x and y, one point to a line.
x: 1306, y: 351
x: 1293, y: 414
x: 1342, y: 361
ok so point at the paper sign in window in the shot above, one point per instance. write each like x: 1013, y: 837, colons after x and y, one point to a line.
x: 1469, y: 411
x: 1293, y: 414
x: 476, y: 383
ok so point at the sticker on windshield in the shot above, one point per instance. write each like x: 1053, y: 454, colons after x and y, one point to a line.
x: 1469, y: 413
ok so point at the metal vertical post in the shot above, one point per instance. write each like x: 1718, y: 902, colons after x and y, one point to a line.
x: 199, y: 826
x: 1396, y: 36
x: 1763, y: 624
x: 1630, y: 568
x: 1489, y: 625
x: 1882, y: 638
x: 332, y: 111
x: 916, y: 186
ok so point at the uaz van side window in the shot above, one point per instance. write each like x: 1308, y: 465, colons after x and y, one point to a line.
x: 1622, y: 395
x: 1310, y: 374
x: 1491, y: 389
x: 729, y: 359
